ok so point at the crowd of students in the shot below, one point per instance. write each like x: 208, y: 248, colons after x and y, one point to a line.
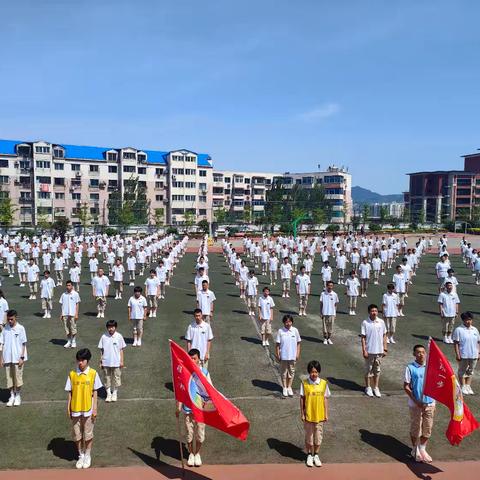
x: 358, y: 260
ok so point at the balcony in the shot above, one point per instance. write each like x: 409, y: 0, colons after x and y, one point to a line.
x: 25, y: 201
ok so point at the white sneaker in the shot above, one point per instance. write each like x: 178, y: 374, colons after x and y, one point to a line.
x: 11, y: 400
x: 68, y: 344
x: 392, y: 340
x: 198, y: 460
x: 139, y: 343
x: 17, y: 401
x: 325, y: 341
x: 134, y: 344
x: 45, y: 315
x: 74, y: 344
x: 80, y: 460
x: 49, y: 315
x: 317, y: 462
x: 470, y: 391
x: 369, y: 392
x: 450, y: 339
x: 287, y: 295
x: 465, y: 390
x: 445, y: 339
x: 290, y: 391
x: 191, y: 460
x: 109, y: 397
x: 99, y: 315
x: 114, y: 396
x: 310, y: 461
x: 330, y: 341
x: 376, y: 392
x: 285, y: 392
x: 87, y: 461
x: 266, y: 343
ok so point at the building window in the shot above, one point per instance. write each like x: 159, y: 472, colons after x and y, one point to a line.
x: 202, y: 199
x: 112, y: 183
x: 3, y: 179
x: 23, y: 151
x: 227, y: 179
x: 142, y: 157
x: 94, y: 168
x: 129, y: 168
x: 94, y: 211
x: 202, y: 211
x: 202, y: 173
x: 334, y: 191
x: 44, y: 195
x: 94, y: 182
x: 44, y: 210
x: 217, y: 178
x: 190, y: 171
x: 142, y: 184
x: 112, y: 156
x: 76, y: 196
x: 42, y: 149
x: 58, y: 152
x: 190, y: 198
x: 42, y: 164
x: 190, y: 185
x: 59, y: 181
x: 247, y: 181
x: 202, y: 186
x: 112, y: 169
x: 464, y: 182
x: 142, y: 170
x: 463, y: 191
x: 95, y: 196
x: 129, y: 156
x: 3, y: 163
x: 159, y: 198
x: 58, y: 166
x: 238, y: 179
x: 177, y: 211
x: 333, y: 179
x: 59, y: 196
x: 75, y: 167
x: 178, y: 198
x: 177, y: 184
x: 159, y: 171
x: 178, y: 171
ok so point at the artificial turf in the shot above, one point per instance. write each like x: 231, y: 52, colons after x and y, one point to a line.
x: 141, y: 427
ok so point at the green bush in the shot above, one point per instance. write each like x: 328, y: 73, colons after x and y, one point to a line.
x: 374, y: 227
x: 111, y: 231
x: 204, y: 226
x: 172, y: 230
x: 332, y: 228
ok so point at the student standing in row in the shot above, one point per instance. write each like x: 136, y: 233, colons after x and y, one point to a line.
x: 47, y: 286
x: 252, y: 292
x: 82, y: 386
x: 303, y: 284
x: 352, y: 291
x: 448, y: 303
x: 390, y: 303
x: 328, y: 311
x: 287, y: 352
x: 137, y: 314
x: 100, y: 286
x: 314, y: 395
x: 265, y: 315
x: 205, y: 302
x: 199, y: 335
x: 112, y: 345
x: 70, y: 301
x: 13, y: 355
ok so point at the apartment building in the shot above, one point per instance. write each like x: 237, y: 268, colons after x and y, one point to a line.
x: 445, y: 195
x: 235, y: 191
x: 48, y: 180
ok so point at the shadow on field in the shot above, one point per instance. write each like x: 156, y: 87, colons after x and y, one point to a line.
x: 426, y: 294
x: 169, y: 471
x: 286, y: 449
x: 38, y: 315
x: 4, y: 395
x: 288, y: 312
x: 426, y: 337
x: 188, y: 312
x: 90, y: 314
x: 430, y: 312
x: 241, y: 312
x: 346, y: 384
x: 64, y: 449
x: 168, y: 386
x: 256, y: 341
x: 311, y: 339
x: 397, y: 450
x: 266, y: 385
x: 58, y: 341
x: 168, y: 447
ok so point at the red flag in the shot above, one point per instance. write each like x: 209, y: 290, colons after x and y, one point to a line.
x: 442, y: 385
x: 208, y: 405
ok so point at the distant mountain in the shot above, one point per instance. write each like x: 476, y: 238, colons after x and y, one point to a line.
x: 362, y: 195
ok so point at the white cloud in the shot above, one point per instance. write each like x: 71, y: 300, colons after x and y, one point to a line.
x: 319, y: 113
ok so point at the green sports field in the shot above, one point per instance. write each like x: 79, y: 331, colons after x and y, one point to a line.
x: 141, y: 427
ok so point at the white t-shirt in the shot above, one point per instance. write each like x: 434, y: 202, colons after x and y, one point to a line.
x: 118, y: 271
x: 100, y: 285
x: 352, y: 285
x: 58, y: 263
x: 399, y: 281
x: 93, y: 264
x: 288, y: 340
x: 448, y: 302
x: 152, y: 285
x: 390, y: 303
x: 162, y: 273
x: 12, y: 340
x: 75, y: 274
x: 376, y: 264
x: 329, y: 300
x: 285, y: 270
x: 252, y: 284
x: 442, y: 269
x: 303, y: 282
x: 112, y: 345
x: 46, y: 287
x: 69, y: 301
x: 364, y: 269
x: 131, y: 263
x: 32, y: 273
x: 468, y: 339
x: 373, y: 331
x: 266, y: 304
x: 137, y: 306
x: 205, y: 301
x: 199, y: 335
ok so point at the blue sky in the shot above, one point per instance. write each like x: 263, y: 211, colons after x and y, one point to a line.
x: 384, y: 88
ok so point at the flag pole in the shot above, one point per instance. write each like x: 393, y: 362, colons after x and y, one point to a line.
x: 179, y: 429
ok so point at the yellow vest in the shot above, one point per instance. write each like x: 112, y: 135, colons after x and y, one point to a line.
x: 82, y: 390
x: 314, y: 400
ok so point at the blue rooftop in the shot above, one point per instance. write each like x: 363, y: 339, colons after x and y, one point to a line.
x: 156, y: 157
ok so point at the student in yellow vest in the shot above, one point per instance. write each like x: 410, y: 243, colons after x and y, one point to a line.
x: 82, y: 386
x: 314, y: 394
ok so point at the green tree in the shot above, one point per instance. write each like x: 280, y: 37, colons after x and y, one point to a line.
x: 355, y: 221
x: 220, y: 215
x: 204, y: 226
x: 7, y: 212
x: 383, y: 214
x: 406, y: 214
x: 43, y: 222
x: 365, y: 213
x: 84, y: 216
x: 189, y: 218
x: 127, y: 215
x: 61, y: 225
x: 158, y: 216
x: 132, y: 208
x: 247, y: 213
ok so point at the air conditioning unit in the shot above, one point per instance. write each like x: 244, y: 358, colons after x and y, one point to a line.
x: 78, y: 174
x: 16, y: 164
